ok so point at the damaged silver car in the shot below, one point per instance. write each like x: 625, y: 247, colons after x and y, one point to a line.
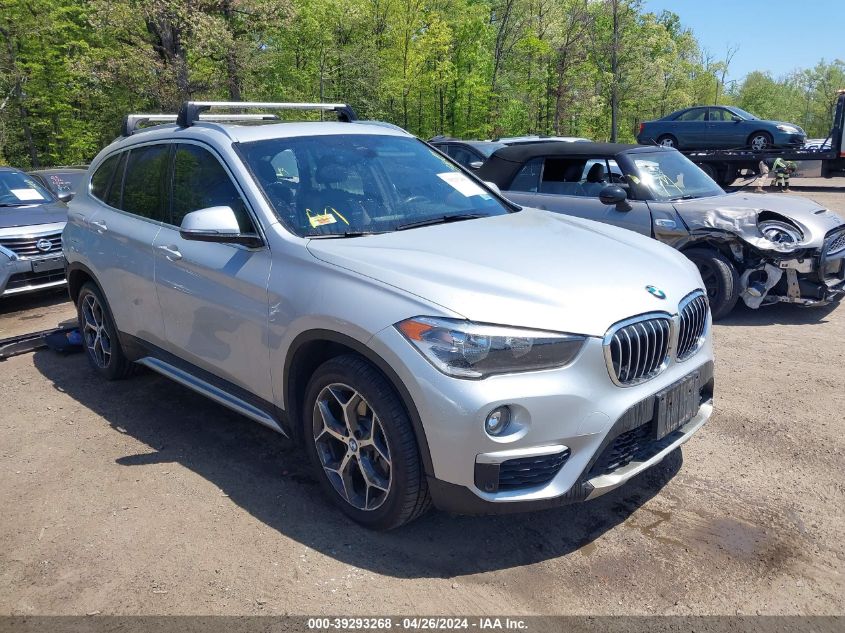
x: 762, y: 248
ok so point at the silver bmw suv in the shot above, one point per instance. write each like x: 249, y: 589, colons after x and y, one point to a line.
x: 422, y: 338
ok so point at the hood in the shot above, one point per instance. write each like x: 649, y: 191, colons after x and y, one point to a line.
x: 532, y: 268
x: 33, y: 214
x: 738, y: 212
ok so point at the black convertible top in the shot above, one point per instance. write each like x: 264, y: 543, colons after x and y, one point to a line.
x: 504, y: 164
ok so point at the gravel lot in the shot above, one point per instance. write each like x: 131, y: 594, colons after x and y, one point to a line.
x: 140, y: 497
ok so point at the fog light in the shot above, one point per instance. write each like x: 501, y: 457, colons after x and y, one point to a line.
x: 498, y: 420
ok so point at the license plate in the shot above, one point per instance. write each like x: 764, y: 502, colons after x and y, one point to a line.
x: 45, y: 265
x: 677, y: 404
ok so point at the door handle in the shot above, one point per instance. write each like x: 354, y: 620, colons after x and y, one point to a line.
x: 99, y: 226
x: 170, y: 252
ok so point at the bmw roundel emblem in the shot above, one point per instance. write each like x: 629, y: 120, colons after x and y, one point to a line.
x: 654, y: 291
x: 43, y: 245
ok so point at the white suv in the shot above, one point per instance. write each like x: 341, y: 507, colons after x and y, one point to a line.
x: 424, y: 339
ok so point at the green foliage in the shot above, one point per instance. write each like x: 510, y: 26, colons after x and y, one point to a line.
x: 70, y: 69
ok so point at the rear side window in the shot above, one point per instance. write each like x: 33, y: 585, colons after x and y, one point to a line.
x: 200, y: 181
x: 143, y: 188
x: 528, y: 178
x: 693, y: 115
x: 116, y: 189
x: 102, y: 177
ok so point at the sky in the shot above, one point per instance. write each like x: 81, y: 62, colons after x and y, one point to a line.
x: 773, y: 35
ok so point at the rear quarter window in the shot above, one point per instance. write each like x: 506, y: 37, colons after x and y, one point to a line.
x: 101, y: 179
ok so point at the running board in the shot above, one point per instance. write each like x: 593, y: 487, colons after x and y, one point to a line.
x: 210, y: 391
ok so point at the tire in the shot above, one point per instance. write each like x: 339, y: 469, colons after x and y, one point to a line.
x: 721, y: 280
x: 760, y: 141
x: 99, y: 334
x: 373, y: 472
x: 667, y: 140
x: 727, y: 175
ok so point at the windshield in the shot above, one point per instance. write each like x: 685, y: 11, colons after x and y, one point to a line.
x: 672, y: 176
x: 18, y: 189
x: 743, y: 114
x: 353, y: 184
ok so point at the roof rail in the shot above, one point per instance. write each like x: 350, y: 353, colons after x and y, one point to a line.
x: 190, y: 111
x: 134, y: 122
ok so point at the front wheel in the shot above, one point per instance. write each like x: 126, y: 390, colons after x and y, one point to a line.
x: 721, y: 280
x: 360, y: 439
x: 760, y: 141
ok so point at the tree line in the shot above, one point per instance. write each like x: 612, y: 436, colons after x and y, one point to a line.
x: 71, y: 69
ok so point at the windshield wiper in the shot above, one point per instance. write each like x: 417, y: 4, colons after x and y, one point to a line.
x: 12, y: 204
x: 686, y: 197
x: 326, y: 236
x: 443, y: 219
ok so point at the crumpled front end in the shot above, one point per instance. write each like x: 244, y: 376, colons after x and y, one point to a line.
x: 793, y: 253
x: 809, y: 277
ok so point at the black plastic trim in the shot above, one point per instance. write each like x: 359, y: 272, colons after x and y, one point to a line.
x: 291, y: 405
x: 458, y: 499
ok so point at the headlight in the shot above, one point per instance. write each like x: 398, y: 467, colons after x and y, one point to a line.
x: 789, y: 129
x: 475, y: 350
x: 780, y: 232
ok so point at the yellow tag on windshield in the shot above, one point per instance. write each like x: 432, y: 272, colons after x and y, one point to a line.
x: 321, y: 220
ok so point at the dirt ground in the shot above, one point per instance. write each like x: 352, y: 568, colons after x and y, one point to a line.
x: 140, y: 497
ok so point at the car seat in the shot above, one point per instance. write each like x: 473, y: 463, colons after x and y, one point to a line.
x: 596, y: 180
x: 314, y: 201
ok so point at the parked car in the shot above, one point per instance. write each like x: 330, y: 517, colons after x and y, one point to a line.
x: 762, y: 248
x: 31, y: 223
x: 351, y: 288
x: 470, y: 154
x: 61, y: 180
x: 719, y: 127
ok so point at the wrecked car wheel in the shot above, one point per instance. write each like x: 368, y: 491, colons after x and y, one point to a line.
x: 721, y: 280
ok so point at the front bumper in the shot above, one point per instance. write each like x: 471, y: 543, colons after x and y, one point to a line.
x: 568, y: 417
x: 20, y: 275
x: 809, y: 280
x: 786, y: 139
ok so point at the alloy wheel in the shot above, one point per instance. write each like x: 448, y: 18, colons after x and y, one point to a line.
x: 759, y: 142
x: 94, y: 332
x: 352, y: 446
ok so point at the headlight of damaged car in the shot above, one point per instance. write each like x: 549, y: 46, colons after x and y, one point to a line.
x: 475, y: 350
x: 789, y: 129
x: 780, y: 232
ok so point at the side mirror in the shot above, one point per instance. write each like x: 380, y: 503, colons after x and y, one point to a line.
x: 736, y: 119
x: 215, y: 224
x: 614, y: 194
x: 493, y: 186
x: 476, y: 164
x: 65, y: 195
